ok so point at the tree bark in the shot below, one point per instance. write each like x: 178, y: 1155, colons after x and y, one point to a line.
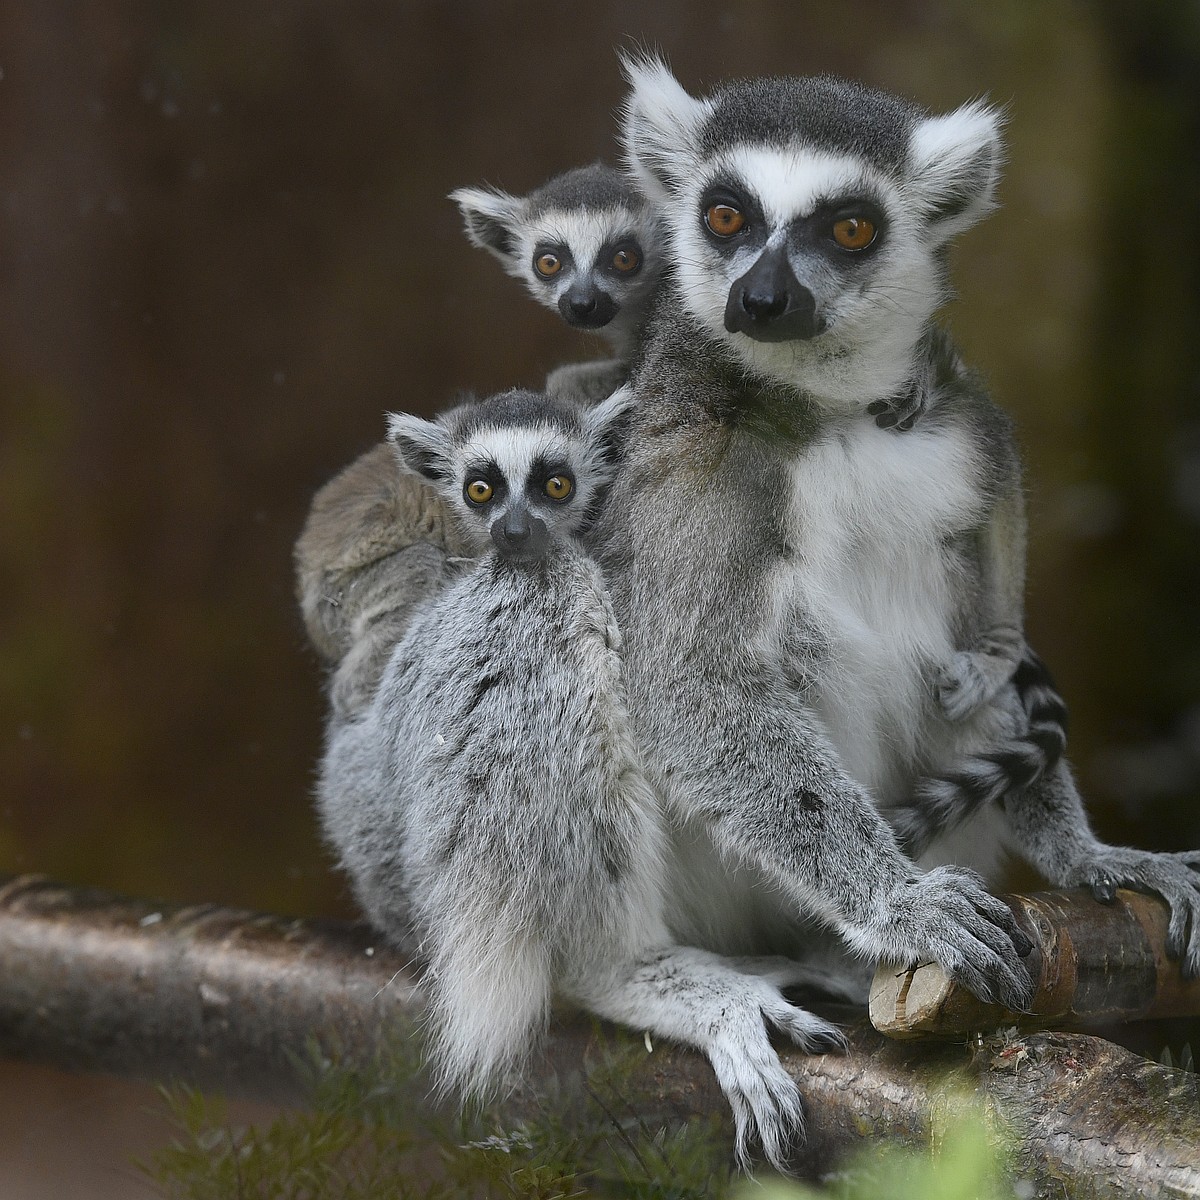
x: 94, y: 981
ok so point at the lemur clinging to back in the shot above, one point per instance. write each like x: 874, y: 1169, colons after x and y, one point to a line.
x: 803, y: 579
x: 586, y: 245
x: 490, y: 804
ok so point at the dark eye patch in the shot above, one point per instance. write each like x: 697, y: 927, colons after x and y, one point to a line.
x: 732, y: 193
x: 557, y: 251
x: 815, y: 231
x: 541, y: 470
x: 627, y: 245
x: 487, y: 469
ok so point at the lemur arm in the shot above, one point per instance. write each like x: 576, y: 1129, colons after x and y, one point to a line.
x: 751, y: 762
x: 1052, y: 832
x: 586, y: 382
x: 689, y: 548
x: 977, y: 673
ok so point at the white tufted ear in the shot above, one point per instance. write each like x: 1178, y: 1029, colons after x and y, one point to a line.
x: 491, y: 218
x: 610, y: 417
x: 659, y: 124
x: 423, y: 447
x: 955, y: 161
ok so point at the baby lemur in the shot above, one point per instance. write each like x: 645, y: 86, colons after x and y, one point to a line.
x: 586, y: 245
x: 491, y: 806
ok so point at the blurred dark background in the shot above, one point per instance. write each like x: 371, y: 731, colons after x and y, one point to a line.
x: 225, y: 250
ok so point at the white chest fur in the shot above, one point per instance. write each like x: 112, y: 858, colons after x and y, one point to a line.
x: 870, y: 515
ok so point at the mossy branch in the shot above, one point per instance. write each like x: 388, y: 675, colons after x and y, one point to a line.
x: 218, y: 997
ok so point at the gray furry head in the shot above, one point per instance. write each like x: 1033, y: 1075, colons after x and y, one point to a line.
x: 519, y: 470
x: 585, y: 244
x: 807, y: 217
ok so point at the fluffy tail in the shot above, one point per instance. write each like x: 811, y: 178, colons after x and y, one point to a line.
x: 488, y: 1001
x: 941, y: 803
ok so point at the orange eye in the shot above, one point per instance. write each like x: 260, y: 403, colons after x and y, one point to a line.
x: 854, y: 233
x: 724, y: 220
x: 558, y: 487
x: 627, y: 259
x: 478, y: 491
x: 547, y: 264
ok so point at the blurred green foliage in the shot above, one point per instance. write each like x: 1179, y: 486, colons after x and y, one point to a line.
x: 362, y: 1139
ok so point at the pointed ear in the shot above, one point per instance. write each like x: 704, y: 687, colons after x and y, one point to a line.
x: 422, y: 447
x: 956, y: 161
x: 607, y: 423
x: 659, y: 125
x: 491, y: 218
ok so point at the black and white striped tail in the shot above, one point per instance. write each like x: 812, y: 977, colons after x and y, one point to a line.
x: 939, y: 804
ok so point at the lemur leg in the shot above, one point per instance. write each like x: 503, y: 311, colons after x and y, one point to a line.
x: 1052, y: 831
x: 788, y: 974
x: 977, y: 674
x: 702, y: 1000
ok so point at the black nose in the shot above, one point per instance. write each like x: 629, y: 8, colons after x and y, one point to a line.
x: 770, y: 304
x: 763, y: 303
x: 587, y: 307
x: 582, y: 306
x: 517, y: 534
x: 517, y: 528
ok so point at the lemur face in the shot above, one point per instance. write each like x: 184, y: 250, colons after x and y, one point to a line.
x: 585, y: 263
x: 785, y: 244
x: 585, y: 244
x: 807, y: 218
x: 520, y: 470
x: 520, y: 484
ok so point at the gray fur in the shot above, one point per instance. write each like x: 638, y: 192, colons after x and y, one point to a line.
x: 796, y: 590
x: 596, y: 186
x: 492, y: 808
x: 841, y: 116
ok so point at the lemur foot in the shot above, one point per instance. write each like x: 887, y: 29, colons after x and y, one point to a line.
x: 761, y: 1093
x: 1174, y: 877
x: 900, y: 413
x: 948, y: 916
x: 963, y: 685
x: 725, y: 1011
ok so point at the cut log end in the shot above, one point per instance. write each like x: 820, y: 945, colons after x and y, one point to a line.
x: 1093, y: 964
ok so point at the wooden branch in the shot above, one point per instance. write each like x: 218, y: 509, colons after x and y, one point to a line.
x: 1095, y: 964
x: 89, y: 980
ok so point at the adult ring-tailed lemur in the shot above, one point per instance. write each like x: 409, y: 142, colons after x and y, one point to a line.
x: 823, y: 597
